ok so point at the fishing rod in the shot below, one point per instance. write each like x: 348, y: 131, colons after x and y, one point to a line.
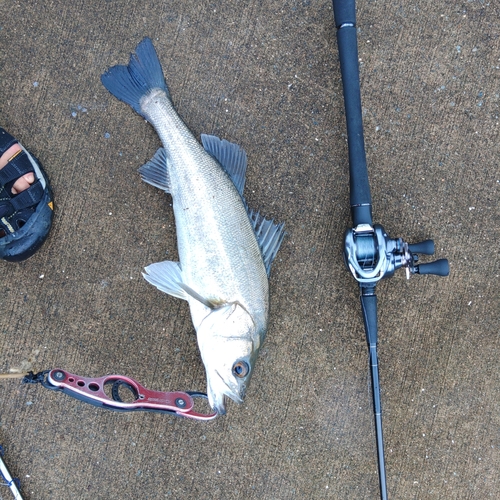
x: 12, y: 483
x: 369, y: 253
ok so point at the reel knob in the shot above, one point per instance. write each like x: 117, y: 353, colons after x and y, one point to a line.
x: 424, y: 247
x: 438, y: 267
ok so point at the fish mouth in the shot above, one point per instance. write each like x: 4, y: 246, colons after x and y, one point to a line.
x: 219, y: 391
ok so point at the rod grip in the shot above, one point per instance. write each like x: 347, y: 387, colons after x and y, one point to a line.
x: 344, y: 12
x: 360, y: 196
x: 369, y: 309
x: 439, y: 267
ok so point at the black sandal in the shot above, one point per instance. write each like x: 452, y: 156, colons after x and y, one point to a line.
x: 25, y: 218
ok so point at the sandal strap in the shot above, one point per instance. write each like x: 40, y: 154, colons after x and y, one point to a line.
x: 25, y: 199
x: 17, y: 167
x: 6, y: 141
x: 28, y: 197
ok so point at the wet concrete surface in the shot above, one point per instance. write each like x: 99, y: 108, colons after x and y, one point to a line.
x: 264, y: 75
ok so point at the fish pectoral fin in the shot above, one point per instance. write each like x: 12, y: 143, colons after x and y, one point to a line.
x: 155, y: 171
x: 231, y: 156
x: 167, y: 277
x: 210, y: 303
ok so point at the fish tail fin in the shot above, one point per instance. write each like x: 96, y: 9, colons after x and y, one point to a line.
x: 143, y: 74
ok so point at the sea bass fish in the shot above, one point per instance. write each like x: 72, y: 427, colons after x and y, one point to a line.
x: 225, y: 249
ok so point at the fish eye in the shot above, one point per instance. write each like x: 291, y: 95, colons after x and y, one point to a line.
x: 241, y: 369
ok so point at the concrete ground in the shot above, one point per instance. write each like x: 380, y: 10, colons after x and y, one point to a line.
x: 264, y: 75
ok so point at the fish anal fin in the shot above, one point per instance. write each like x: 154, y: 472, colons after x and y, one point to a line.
x: 155, y: 171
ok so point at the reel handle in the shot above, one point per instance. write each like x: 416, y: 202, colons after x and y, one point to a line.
x: 439, y: 267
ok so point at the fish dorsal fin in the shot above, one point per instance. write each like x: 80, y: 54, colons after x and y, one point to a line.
x: 231, y: 156
x: 167, y: 277
x: 155, y: 171
x: 234, y: 161
x: 269, y: 236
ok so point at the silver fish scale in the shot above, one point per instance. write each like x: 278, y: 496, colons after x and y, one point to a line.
x: 218, y: 250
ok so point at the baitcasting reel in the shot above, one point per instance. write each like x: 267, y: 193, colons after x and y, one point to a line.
x: 371, y: 255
